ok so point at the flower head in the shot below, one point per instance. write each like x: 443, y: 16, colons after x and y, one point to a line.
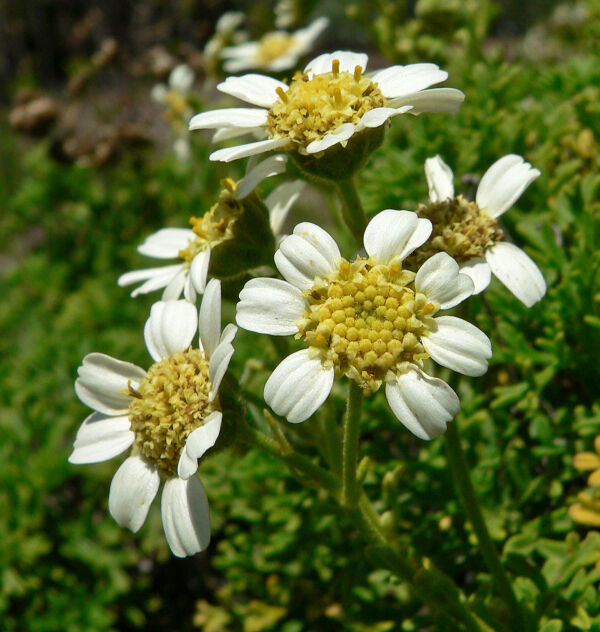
x: 368, y: 319
x: 193, y: 247
x: 225, y: 31
x: 274, y: 51
x: 470, y: 232
x: 175, y: 98
x: 326, y: 105
x: 170, y: 415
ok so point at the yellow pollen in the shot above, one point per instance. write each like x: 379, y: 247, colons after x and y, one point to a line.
x: 315, y: 106
x: 177, y: 104
x: 216, y: 225
x: 366, y: 319
x: 460, y: 228
x: 170, y: 402
x: 282, y: 95
x: 272, y: 46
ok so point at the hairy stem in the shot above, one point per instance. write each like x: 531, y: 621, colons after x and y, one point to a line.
x: 352, y: 210
x: 349, y: 496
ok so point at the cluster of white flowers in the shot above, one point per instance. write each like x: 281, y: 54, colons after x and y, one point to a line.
x: 371, y: 316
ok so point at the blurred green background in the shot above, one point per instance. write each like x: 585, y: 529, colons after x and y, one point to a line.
x: 89, y: 172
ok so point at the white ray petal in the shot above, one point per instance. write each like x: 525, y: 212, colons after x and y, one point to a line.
x: 495, y: 173
x: 227, y: 133
x: 439, y: 279
x: 181, y: 78
x: 101, y: 437
x: 166, y: 243
x: 503, y: 183
x: 102, y: 383
x: 308, y: 34
x: 422, y: 403
x: 228, y: 333
x: 185, y: 517
x: 170, y: 328
x: 270, y: 306
x: 253, y: 88
x: 348, y: 62
x: 189, y: 291
x: 432, y: 100
x: 439, y: 179
x: 340, y: 134
x: 217, y: 367
x: 378, y: 116
x: 308, y: 253
x: 199, y: 269
x: 458, y: 345
x: 132, y: 491
x: 209, y: 322
x: 229, y: 117
x: 271, y: 166
x: 479, y: 271
x: 279, y: 203
x: 298, y: 386
x: 398, y: 81
x: 148, y: 273
x: 249, y: 149
x: 175, y: 286
x: 393, y: 234
x: 517, y: 271
x: 157, y: 278
x: 197, y: 443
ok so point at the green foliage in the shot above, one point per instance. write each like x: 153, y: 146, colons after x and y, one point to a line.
x: 285, y: 557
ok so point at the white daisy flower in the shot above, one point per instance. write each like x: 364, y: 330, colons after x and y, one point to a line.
x: 225, y: 30
x: 180, y: 82
x: 193, y: 246
x: 368, y: 319
x: 275, y: 51
x: 327, y: 104
x: 169, y: 415
x: 469, y: 231
x: 175, y: 98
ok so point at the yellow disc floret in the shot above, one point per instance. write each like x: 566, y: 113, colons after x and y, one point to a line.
x: 216, y: 225
x: 272, y: 46
x: 177, y: 110
x: 365, y: 320
x: 460, y: 228
x: 170, y: 402
x: 313, y: 107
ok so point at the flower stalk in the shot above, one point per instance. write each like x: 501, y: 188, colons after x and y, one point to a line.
x: 352, y: 210
x: 464, y: 485
x: 433, y: 587
x: 349, y: 495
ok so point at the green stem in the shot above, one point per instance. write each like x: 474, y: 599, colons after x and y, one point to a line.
x: 369, y: 524
x: 352, y: 210
x: 424, y: 583
x: 462, y: 480
x: 350, y: 445
x: 255, y: 438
